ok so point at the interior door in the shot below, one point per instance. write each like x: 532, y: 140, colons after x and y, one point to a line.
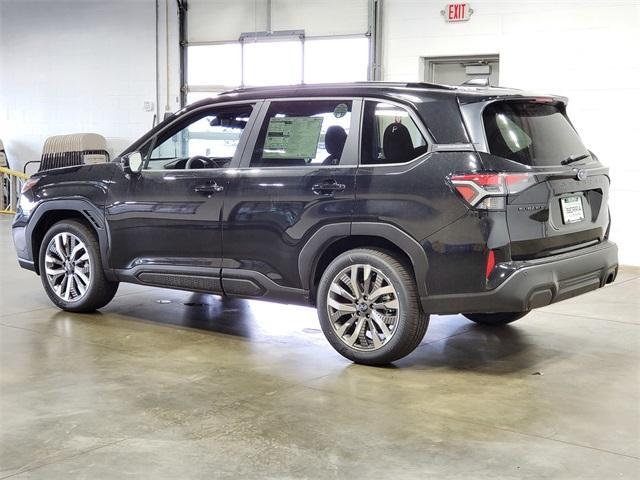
x: 297, y: 174
x: 167, y: 217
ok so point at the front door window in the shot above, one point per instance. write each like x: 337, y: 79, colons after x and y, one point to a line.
x: 208, y: 139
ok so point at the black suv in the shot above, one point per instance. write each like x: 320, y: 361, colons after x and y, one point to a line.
x: 378, y: 203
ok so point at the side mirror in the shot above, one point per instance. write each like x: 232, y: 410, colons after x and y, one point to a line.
x: 131, y: 163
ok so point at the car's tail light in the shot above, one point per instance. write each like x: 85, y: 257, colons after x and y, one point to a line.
x: 487, y: 191
x: 29, y: 184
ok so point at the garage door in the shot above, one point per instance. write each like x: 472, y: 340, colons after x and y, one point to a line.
x: 305, y: 43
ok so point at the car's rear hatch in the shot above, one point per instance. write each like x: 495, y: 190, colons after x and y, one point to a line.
x: 557, y: 198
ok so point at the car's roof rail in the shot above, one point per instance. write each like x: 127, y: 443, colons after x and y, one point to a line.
x: 380, y: 84
x: 437, y: 86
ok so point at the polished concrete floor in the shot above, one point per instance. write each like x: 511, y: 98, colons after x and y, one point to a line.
x: 163, y: 384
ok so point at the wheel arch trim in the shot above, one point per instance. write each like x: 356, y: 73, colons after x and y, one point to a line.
x: 90, y: 212
x: 325, y: 236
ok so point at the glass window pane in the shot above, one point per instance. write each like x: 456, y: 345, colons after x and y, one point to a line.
x: 273, y: 63
x: 214, y: 65
x: 336, y: 60
x: 213, y: 135
x: 531, y: 133
x: 389, y: 135
x: 303, y: 133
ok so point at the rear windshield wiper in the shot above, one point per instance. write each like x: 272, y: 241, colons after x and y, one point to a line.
x: 573, y: 158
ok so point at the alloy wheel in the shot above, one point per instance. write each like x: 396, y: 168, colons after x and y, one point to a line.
x: 363, y: 307
x: 68, y: 266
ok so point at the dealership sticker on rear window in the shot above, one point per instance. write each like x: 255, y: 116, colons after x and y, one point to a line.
x: 340, y: 110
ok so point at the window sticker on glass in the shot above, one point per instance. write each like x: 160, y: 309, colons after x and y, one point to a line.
x: 292, y: 137
x: 340, y: 110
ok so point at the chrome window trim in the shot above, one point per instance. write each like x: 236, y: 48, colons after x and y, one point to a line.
x: 453, y: 147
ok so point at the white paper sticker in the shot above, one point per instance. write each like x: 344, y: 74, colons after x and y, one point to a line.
x: 340, y: 110
x: 292, y: 137
x: 572, y: 211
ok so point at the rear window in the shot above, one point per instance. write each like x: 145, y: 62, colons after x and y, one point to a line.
x: 531, y: 133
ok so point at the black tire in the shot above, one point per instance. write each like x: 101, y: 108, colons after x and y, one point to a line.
x: 495, y: 319
x: 99, y: 290
x: 411, y: 322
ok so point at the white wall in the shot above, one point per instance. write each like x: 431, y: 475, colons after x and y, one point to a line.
x: 586, y: 50
x: 78, y: 66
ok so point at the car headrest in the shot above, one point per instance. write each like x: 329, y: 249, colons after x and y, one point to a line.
x: 334, y: 140
x: 397, y: 144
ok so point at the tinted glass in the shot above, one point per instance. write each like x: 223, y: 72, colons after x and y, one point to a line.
x: 530, y: 133
x: 214, y: 134
x: 303, y: 133
x: 389, y: 135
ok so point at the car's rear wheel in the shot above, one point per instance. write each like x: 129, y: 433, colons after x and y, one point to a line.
x: 71, y: 268
x: 369, y: 309
x: 495, y: 319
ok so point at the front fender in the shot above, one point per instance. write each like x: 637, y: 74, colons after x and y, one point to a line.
x: 94, y: 215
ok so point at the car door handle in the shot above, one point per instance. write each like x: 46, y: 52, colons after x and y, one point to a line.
x: 208, y: 188
x: 327, y: 188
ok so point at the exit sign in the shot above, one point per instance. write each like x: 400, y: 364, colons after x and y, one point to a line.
x: 457, y: 12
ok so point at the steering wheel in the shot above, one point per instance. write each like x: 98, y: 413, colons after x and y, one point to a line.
x: 204, y: 162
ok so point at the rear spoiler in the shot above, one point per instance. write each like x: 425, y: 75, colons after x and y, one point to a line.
x: 468, y: 95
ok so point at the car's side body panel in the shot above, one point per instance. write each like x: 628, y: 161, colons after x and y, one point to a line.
x: 157, y: 218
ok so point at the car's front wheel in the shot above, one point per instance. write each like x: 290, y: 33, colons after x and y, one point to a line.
x: 71, y: 268
x: 495, y: 319
x: 369, y: 309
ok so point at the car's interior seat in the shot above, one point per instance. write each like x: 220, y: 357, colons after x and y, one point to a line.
x: 334, y: 140
x: 397, y: 144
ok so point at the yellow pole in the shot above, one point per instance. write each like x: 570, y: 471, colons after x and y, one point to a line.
x: 10, y: 173
x: 13, y: 173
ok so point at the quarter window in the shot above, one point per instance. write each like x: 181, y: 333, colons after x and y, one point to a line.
x: 389, y: 135
x: 303, y: 133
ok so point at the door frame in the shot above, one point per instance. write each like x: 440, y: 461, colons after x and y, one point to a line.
x: 353, y: 141
x: 245, y: 282
x: 181, y: 121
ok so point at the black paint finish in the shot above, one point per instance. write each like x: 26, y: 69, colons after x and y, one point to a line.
x: 262, y: 232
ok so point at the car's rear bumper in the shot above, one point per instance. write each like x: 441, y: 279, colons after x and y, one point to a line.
x: 536, y: 283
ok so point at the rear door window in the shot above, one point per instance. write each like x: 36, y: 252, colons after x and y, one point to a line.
x: 531, y: 133
x: 302, y: 133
